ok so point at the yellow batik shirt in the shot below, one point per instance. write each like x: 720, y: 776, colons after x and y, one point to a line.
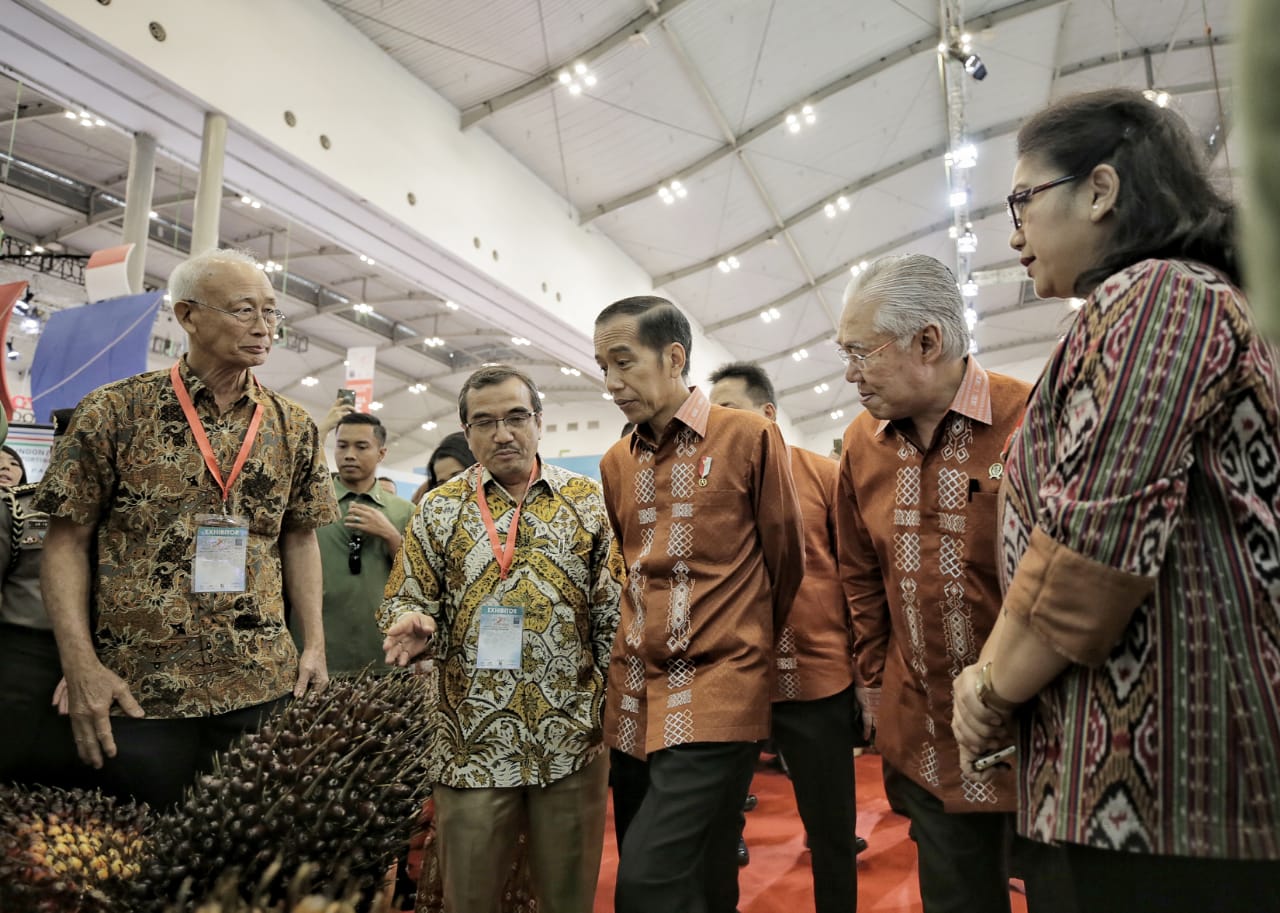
x: 537, y: 724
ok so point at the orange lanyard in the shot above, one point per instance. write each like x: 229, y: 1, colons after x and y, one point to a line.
x: 202, y: 439
x: 504, y: 556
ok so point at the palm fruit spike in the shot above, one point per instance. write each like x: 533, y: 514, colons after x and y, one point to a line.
x: 66, y: 850
x: 332, y: 780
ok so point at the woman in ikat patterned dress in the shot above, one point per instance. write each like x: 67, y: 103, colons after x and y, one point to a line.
x: 1136, y: 663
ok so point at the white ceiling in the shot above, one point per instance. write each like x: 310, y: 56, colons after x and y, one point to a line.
x: 695, y: 90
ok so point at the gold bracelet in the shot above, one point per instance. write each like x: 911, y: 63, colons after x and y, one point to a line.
x: 987, y: 695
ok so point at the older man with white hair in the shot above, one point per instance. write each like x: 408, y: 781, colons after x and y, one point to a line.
x: 916, y: 518
x: 183, y: 507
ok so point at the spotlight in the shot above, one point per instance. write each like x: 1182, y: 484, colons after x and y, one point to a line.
x: 11, y: 351
x: 973, y: 64
x: 309, y: 381
x: 837, y: 415
x: 428, y: 426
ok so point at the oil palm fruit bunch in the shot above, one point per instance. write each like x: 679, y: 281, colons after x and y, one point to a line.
x: 66, y: 850
x: 333, y: 781
x: 301, y: 895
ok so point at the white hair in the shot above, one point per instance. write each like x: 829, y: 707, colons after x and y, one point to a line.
x: 188, y: 276
x: 914, y: 291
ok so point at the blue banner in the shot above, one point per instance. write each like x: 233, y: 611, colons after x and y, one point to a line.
x: 83, y: 348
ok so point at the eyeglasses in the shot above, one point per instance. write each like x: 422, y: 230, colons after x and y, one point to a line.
x: 849, y: 357
x: 354, y: 545
x: 1019, y: 198
x: 515, y: 422
x: 247, y: 315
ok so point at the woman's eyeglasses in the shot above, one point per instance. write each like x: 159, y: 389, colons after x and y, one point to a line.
x: 1019, y: 198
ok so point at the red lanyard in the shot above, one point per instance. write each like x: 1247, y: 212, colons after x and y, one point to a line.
x: 504, y: 556
x: 202, y: 439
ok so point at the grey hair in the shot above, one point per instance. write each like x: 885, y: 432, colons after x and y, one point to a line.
x: 913, y: 291
x: 190, y: 274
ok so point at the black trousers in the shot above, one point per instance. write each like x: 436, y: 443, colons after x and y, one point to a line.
x: 157, y: 759
x: 1069, y: 878
x: 816, y: 740
x: 37, y: 747
x: 964, y: 856
x: 677, y: 846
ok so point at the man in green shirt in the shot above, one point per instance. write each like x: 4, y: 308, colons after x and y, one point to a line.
x: 357, y: 550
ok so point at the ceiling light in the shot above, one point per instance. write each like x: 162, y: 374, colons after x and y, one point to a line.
x: 85, y: 122
x: 541, y: 395
x: 837, y: 415
x: 433, y: 342
x: 375, y: 406
x: 971, y: 318
x: 580, y: 68
x: 953, y: 232
x: 608, y: 396
x: 37, y: 249
x: 11, y: 351
x: 959, y: 198
x: 570, y: 372
x: 366, y: 259
x: 973, y: 346
x: 672, y: 192
x: 30, y: 326
x: 575, y: 89
x: 969, y: 289
x: 964, y: 157
x: 570, y: 80
x: 70, y: 114
x: 428, y: 426
x: 309, y: 381
x: 800, y: 354
x: 843, y: 203
x: 810, y: 116
x: 974, y: 66
x: 520, y: 341
x: 589, y: 79
x: 363, y: 308
x: 153, y: 214
x: 770, y: 315
x: 451, y: 305
x: 417, y: 388
x: 246, y: 199
x: 1157, y: 97
x: 967, y: 243
x: 822, y: 388
x: 830, y: 210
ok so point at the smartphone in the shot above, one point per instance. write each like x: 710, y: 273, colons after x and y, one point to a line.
x: 994, y: 758
x: 347, y: 396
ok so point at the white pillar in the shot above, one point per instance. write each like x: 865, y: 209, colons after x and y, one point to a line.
x: 137, y: 205
x: 204, y: 228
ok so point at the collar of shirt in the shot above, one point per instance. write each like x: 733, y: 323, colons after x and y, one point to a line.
x: 692, y: 413
x: 375, y: 494
x: 486, y: 477
x: 196, y: 386
x: 972, y: 399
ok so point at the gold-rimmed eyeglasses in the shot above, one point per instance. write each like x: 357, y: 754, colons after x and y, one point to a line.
x: 850, y: 357
x: 247, y: 315
x: 516, y: 421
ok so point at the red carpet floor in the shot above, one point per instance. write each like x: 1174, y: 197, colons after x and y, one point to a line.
x: 779, y: 880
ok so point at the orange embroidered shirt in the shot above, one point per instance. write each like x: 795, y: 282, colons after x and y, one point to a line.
x: 709, y: 525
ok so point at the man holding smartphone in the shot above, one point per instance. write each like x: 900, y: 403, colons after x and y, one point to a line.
x: 916, y: 517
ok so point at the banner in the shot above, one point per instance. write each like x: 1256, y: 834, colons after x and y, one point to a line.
x: 85, y: 347
x: 33, y: 443
x: 106, y: 275
x: 360, y: 362
x: 9, y: 294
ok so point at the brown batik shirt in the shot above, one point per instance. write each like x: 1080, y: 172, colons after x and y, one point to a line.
x: 814, y: 649
x: 130, y: 467
x: 918, y: 561
x: 710, y: 528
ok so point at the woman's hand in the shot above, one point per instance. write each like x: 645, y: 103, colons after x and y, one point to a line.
x: 978, y: 729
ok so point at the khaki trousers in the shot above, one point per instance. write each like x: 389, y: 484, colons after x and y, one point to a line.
x: 477, y: 831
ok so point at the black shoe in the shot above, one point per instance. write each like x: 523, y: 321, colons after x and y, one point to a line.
x: 750, y: 803
x: 859, y: 844
x: 744, y: 855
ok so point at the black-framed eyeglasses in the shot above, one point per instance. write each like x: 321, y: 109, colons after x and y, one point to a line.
x: 246, y: 315
x: 354, y: 545
x: 516, y: 421
x: 1019, y: 198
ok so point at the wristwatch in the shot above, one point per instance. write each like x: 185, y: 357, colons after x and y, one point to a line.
x: 987, y: 695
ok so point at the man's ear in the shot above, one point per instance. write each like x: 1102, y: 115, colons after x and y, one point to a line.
x: 678, y: 358
x: 928, y: 343
x: 771, y: 412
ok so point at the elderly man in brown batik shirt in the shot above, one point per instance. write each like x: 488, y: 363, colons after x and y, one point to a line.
x: 919, y: 476
x: 201, y: 492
